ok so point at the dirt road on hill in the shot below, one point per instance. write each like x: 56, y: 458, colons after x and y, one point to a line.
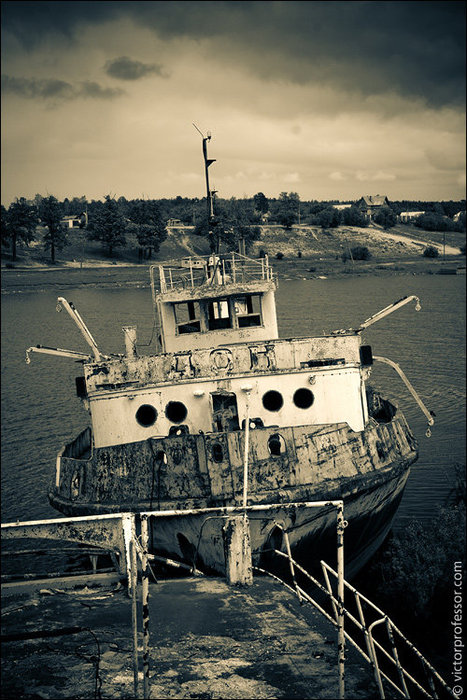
x: 449, y: 250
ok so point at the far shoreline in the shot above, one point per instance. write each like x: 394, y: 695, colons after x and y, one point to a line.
x: 18, y: 277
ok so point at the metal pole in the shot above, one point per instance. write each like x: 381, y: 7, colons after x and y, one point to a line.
x: 75, y: 315
x: 246, y: 390
x: 134, y: 617
x: 340, y: 599
x: 291, y: 563
x: 145, y: 596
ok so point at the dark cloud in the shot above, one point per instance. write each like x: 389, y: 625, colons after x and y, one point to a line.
x: 125, y: 68
x: 413, y: 48
x: 53, y: 89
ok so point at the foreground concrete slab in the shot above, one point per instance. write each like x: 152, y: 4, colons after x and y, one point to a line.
x: 207, y: 640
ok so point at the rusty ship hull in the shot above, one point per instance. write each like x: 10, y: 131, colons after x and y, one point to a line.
x: 367, y: 469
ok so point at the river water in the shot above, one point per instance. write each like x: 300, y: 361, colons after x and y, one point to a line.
x: 40, y: 410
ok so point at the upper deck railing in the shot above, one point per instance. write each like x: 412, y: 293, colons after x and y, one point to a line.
x: 215, y: 270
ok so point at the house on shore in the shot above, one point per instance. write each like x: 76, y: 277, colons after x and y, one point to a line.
x: 175, y: 223
x: 370, y: 204
x: 75, y: 221
x: 407, y: 216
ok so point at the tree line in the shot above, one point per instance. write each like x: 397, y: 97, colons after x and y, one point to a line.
x: 113, y: 222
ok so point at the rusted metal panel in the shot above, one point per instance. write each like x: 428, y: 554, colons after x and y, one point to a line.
x: 137, y: 472
x: 336, y: 398
x: 100, y: 531
x: 218, y: 463
x: 209, y: 468
x: 249, y: 358
x: 210, y: 291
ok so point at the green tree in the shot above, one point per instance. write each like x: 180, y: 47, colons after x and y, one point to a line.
x: 107, y: 225
x: 21, y: 223
x: 261, y: 203
x: 286, y: 209
x: 353, y: 217
x: 385, y: 217
x: 51, y: 212
x: 4, y: 227
x: 431, y: 252
x: 329, y: 218
x: 433, y: 222
x: 231, y: 225
x: 148, y: 226
x: 237, y: 229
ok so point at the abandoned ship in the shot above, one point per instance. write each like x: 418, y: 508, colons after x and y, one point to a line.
x: 168, y: 430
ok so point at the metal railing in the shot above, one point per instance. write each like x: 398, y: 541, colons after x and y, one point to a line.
x: 191, y: 272
x: 117, y: 532
x: 223, y: 512
x: 395, y: 671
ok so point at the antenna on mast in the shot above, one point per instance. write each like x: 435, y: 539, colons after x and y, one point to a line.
x: 209, y: 193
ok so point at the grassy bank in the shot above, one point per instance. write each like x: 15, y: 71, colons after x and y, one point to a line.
x: 303, y: 247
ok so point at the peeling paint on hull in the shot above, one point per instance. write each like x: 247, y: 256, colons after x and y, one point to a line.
x: 368, y: 470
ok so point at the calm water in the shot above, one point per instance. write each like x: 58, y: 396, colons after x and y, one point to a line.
x: 40, y: 410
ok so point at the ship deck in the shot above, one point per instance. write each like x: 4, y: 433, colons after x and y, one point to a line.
x: 207, y: 640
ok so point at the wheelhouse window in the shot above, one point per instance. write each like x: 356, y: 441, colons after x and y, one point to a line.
x: 187, y: 317
x: 219, y: 315
x: 248, y: 310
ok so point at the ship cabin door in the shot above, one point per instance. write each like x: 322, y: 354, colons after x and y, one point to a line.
x: 224, y: 411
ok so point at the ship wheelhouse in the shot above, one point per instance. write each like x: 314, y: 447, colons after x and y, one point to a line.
x: 203, y: 303
x: 220, y: 360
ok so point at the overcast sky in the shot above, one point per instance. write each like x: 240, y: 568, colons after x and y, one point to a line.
x: 332, y: 100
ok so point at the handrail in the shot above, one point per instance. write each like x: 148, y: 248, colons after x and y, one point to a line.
x: 219, y: 269
x: 394, y: 658
x: 372, y: 645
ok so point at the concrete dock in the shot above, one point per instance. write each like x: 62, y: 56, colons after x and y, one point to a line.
x: 207, y: 640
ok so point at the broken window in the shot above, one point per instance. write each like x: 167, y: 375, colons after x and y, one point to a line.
x: 248, y: 310
x: 187, y: 317
x: 219, y: 315
x: 276, y: 445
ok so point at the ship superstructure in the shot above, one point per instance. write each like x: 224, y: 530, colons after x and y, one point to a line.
x: 219, y: 351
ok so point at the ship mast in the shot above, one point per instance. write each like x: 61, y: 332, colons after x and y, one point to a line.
x: 209, y: 193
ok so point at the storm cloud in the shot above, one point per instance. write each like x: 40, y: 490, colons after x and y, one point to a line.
x: 125, y: 68
x: 410, y: 48
x: 331, y: 99
x: 55, y: 89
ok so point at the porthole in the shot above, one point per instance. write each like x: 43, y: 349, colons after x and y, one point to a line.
x: 303, y: 398
x: 176, y: 411
x: 273, y: 400
x: 146, y: 415
x: 217, y: 452
x: 276, y: 445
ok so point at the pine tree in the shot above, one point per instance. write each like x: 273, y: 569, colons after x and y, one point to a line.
x: 51, y: 212
x: 107, y: 225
